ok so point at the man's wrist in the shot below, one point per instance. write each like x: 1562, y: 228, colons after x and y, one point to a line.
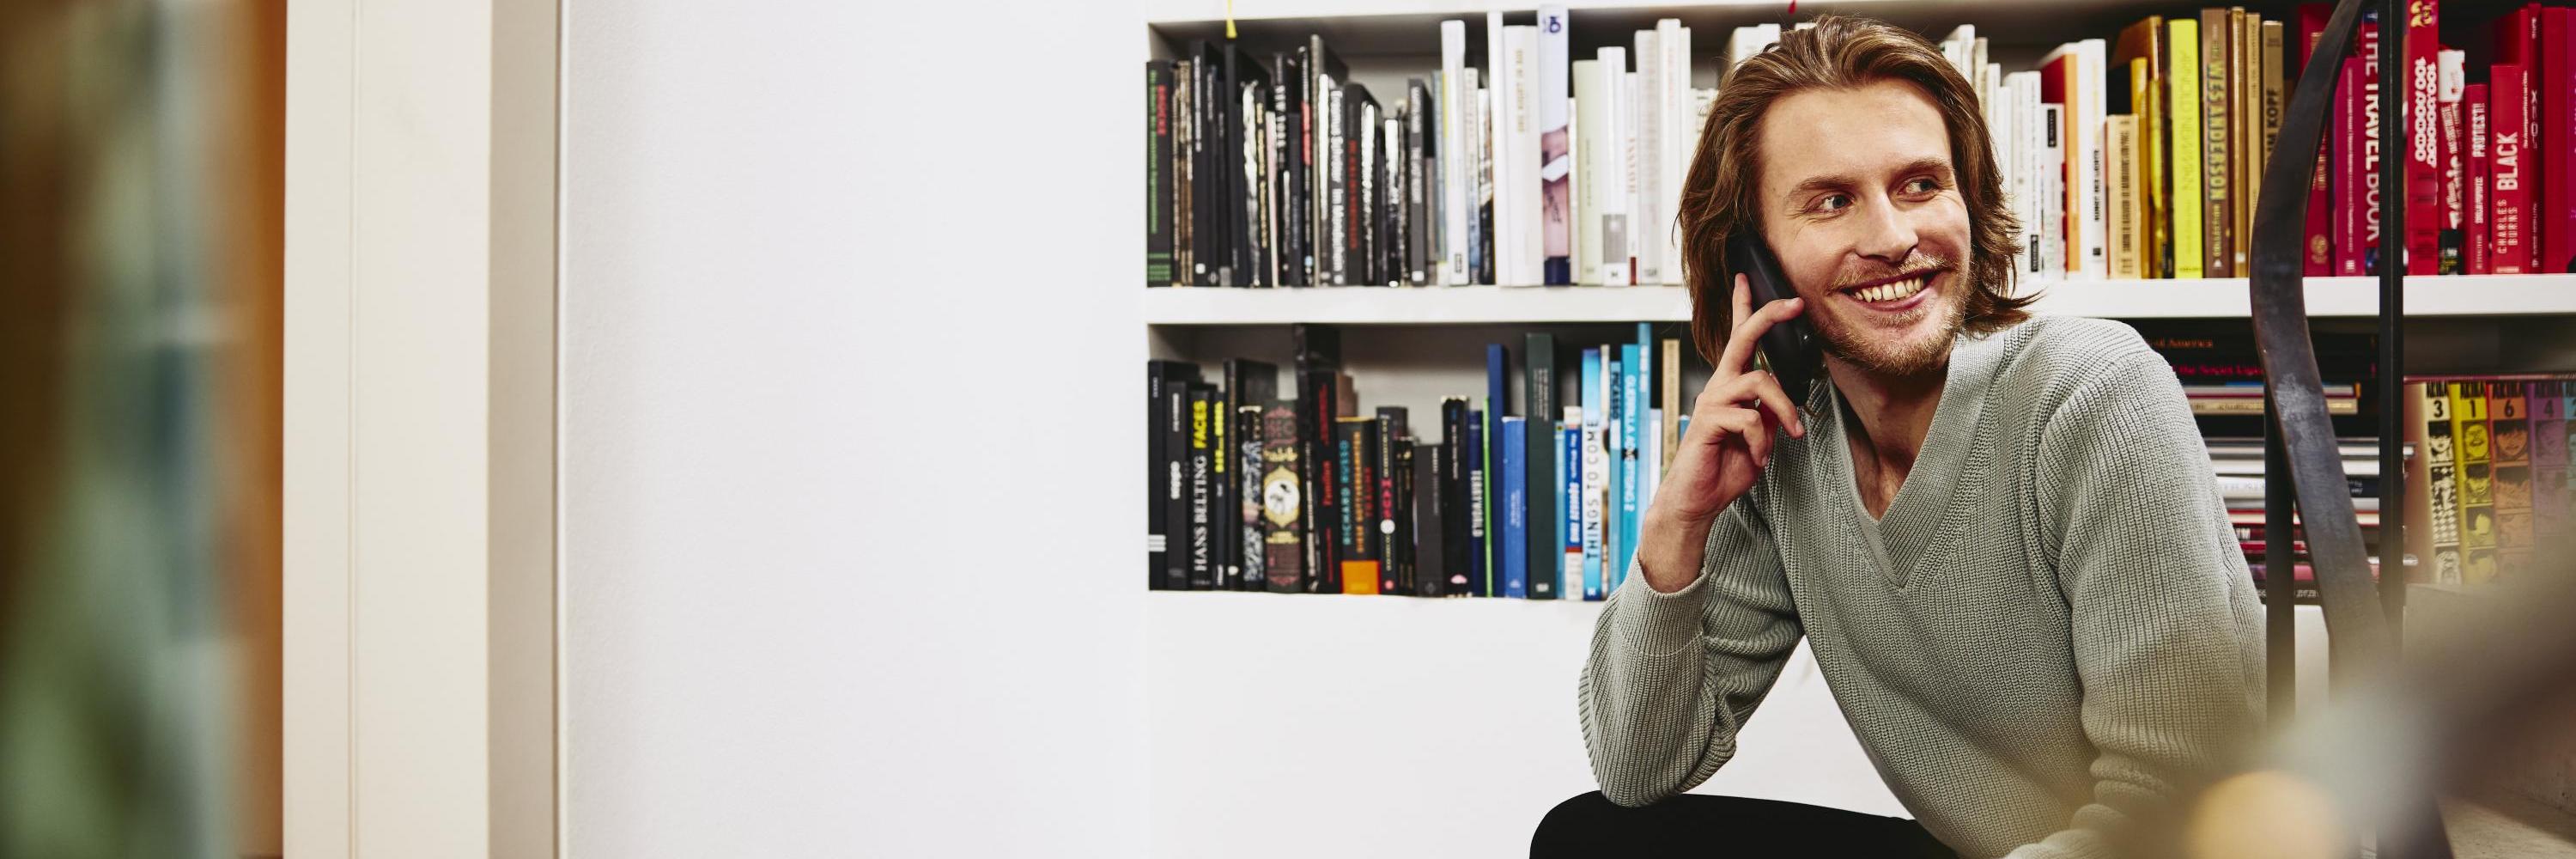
x: 1670, y: 548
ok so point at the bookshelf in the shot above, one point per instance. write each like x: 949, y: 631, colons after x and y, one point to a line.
x: 2541, y: 295
x: 1260, y: 702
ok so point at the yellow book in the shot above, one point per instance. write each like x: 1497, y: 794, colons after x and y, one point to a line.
x: 2477, y: 482
x: 2245, y: 98
x: 2183, y: 88
x: 2275, y: 96
x: 2141, y: 49
x: 2120, y: 133
x: 2217, y: 121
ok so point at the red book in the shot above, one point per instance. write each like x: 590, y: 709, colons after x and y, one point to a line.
x: 2420, y: 118
x: 2319, y: 259
x: 2348, y: 194
x: 2555, y: 223
x: 2517, y: 43
x: 2473, y: 101
x: 2371, y: 147
x: 2455, y: 178
x: 2508, y: 234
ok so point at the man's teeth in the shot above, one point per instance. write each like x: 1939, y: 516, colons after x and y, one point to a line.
x: 1890, y: 291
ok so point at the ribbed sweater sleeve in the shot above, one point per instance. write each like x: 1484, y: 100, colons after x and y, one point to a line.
x: 2154, y: 584
x: 1672, y: 675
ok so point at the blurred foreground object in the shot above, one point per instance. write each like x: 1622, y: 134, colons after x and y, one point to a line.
x: 141, y: 189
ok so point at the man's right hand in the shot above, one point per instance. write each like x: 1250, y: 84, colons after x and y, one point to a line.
x: 1728, y: 445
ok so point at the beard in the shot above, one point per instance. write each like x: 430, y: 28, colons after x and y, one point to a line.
x: 1906, y: 358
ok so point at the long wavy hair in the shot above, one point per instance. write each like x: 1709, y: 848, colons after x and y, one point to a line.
x: 1718, y: 197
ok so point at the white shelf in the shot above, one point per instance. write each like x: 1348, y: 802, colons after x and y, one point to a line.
x: 2485, y: 295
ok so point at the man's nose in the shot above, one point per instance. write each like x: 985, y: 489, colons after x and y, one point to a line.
x: 1887, y: 233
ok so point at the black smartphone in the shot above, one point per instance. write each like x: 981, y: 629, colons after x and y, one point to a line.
x: 1791, y: 347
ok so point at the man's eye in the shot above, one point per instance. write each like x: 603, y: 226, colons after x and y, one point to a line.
x: 1833, y: 202
x: 1922, y: 185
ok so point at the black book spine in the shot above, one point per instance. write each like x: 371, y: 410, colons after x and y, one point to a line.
x: 1175, y: 480
x: 1225, y: 569
x: 1184, y: 212
x: 1546, y: 547
x: 1208, y: 191
x: 1283, y: 104
x: 1456, y: 511
x: 1336, y: 196
x: 1282, y: 500
x: 1157, y: 522
x: 1389, y: 430
x: 1318, y: 361
x: 1430, y: 470
x: 1400, y: 543
x: 1202, y: 575
x: 1417, y: 181
x: 1158, y: 179
x: 1248, y: 384
x: 1251, y: 540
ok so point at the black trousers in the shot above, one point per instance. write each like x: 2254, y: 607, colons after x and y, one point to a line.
x: 1721, y: 827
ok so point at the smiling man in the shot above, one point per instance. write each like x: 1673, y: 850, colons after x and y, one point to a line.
x: 1998, y: 532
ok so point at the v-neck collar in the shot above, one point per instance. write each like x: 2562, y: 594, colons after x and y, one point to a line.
x: 1898, y: 540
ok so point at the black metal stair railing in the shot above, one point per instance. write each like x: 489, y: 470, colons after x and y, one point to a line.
x: 2361, y: 615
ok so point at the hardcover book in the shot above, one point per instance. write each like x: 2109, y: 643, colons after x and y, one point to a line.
x: 1538, y: 397
x: 1514, y: 547
x: 1357, y: 447
x: 1283, y: 507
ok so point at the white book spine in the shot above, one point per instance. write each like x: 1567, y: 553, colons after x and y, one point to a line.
x: 1650, y: 162
x: 2088, y: 138
x: 1499, y: 76
x: 1453, y: 169
x: 1555, y: 147
x: 1619, y: 230
x: 1528, y: 218
x: 1680, y: 135
x: 2052, y: 163
x: 1591, y: 101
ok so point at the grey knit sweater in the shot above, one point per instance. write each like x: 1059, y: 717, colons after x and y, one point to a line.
x: 2049, y: 638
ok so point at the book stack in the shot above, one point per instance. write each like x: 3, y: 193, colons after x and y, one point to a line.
x: 1513, y: 163
x: 2135, y: 156
x: 1533, y: 497
x: 2492, y: 488
x: 2238, y: 464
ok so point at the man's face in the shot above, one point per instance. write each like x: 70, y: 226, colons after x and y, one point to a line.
x: 1859, y: 202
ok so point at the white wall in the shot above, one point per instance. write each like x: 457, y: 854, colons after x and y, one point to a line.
x: 841, y: 467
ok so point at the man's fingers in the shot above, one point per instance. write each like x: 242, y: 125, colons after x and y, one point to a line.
x: 1764, y: 388
x: 1748, y: 425
x: 1748, y: 333
x: 1743, y: 298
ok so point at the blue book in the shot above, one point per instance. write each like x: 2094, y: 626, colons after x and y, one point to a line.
x: 1477, y: 585
x: 1632, y: 425
x: 1595, y: 478
x: 1514, y: 549
x: 1569, y: 500
x: 1614, y: 392
x: 1497, y: 405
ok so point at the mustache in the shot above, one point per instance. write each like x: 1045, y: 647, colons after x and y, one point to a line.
x: 1918, y: 265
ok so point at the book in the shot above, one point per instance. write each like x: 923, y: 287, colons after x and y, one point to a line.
x: 2452, y: 245
x: 1670, y: 377
x: 2126, y: 227
x: 1431, y: 466
x: 2469, y: 432
x: 1283, y: 529
x: 1555, y: 155
x: 1513, y: 548
x: 1318, y: 359
x: 2273, y: 100
x: 1250, y: 387
x: 1355, y: 530
x: 2137, y: 66
x: 1592, y: 107
x: 1456, y: 503
x: 1457, y: 92
x: 1633, y: 374
x: 2317, y: 250
x: 1158, y: 177
x: 1166, y: 421
x: 2509, y: 450
x: 1538, y: 400
x: 2509, y: 243
x: 1200, y: 550
x: 2185, y: 140
x: 2349, y: 172
x: 2218, y: 204
x: 1647, y: 208
x: 2480, y: 201
x: 1678, y: 134
x: 1497, y: 406
x: 2244, y: 97
x: 1479, y: 553
x: 2549, y: 466
x: 2419, y: 41
x: 1393, y: 470
x: 1569, y: 504
x: 1596, y: 468
x: 2554, y: 224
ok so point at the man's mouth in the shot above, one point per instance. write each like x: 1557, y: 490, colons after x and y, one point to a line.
x: 1891, y: 289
